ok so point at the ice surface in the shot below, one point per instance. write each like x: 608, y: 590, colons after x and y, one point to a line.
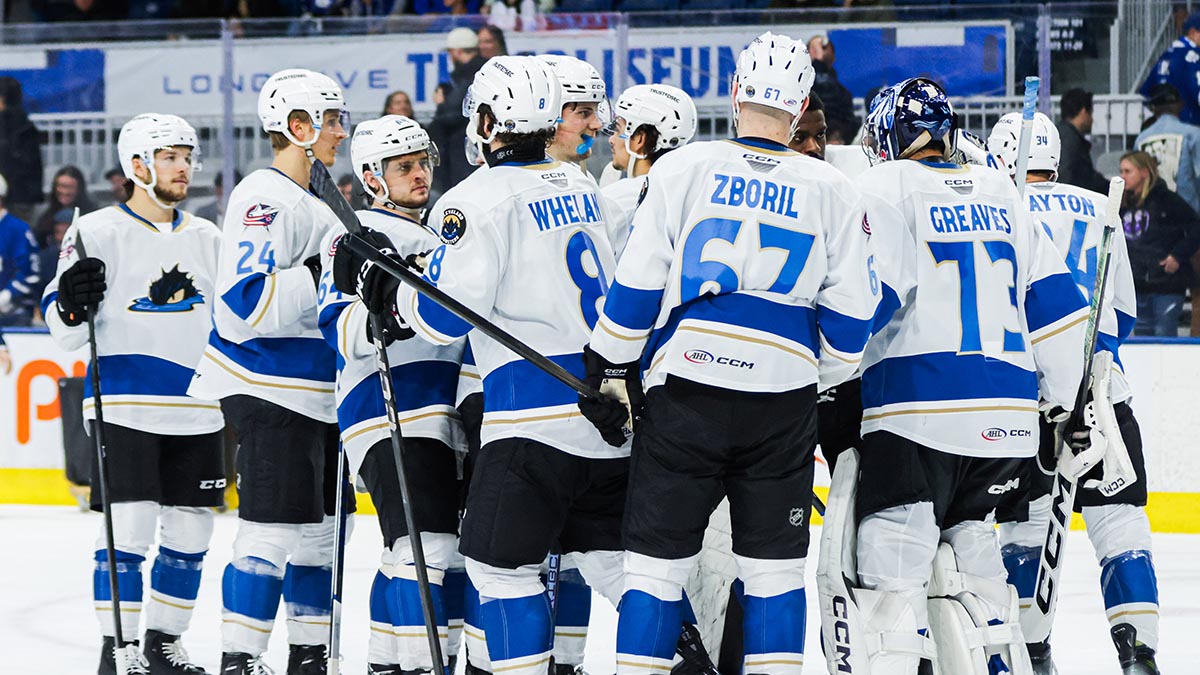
x: 47, y: 625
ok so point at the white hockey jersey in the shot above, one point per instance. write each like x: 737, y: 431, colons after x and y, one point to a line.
x: 425, y: 377
x: 747, y: 269
x: 622, y: 200
x: 265, y: 341
x: 153, y: 321
x: 985, y: 314
x: 1074, y: 219
x: 527, y: 247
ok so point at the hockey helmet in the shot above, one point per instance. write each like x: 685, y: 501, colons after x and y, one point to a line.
x: 1045, y: 146
x: 906, y: 117
x: 389, y: 136
x: 147, y: 133
x: 775, y: 71
x: 522, y: 93
x: 668, y: 109
x: 298, y: 89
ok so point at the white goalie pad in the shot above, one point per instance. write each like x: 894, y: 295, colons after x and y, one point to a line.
x: 861, y: 629
x: 1118, y: 472
x: 972, y: 619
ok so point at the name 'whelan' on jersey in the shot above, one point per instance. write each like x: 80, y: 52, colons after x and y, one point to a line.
x: 1074, y: 218
x: 151, y: 325
x: 985, y: 314
x: 527, y: 249
x: 425, y: 377
x: 265, y: 341
x: 747, y: 269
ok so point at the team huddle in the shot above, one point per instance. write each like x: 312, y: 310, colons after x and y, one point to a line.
x: 718, y: 309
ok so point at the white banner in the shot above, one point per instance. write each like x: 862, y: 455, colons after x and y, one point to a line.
x: 30, y: 425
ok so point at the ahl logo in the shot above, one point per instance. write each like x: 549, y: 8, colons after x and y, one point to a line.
x: 174, y: 291
x: 796, y: 517
x: 791, y: 102
x: 260, y: 215
x: 1001, y: 489
x: 994, y: 434
x: 698, y: 356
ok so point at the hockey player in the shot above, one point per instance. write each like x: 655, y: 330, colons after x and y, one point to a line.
x: 150, y: 272
x: 1116, y: 525
x: 268, y: 364
x: 393, y: 159
x: 744, y: 285
x: 524, y: 228
x: 985, y: 318
x: 811, y: 135
x: 651, y: 120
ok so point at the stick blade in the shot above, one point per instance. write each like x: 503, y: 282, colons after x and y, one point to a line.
x: 1116, y: 188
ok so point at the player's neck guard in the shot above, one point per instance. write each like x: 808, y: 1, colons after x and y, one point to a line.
x: 519, y: 153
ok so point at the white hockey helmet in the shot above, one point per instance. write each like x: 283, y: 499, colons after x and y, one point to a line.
x: 298, y: 89
x: 1045, y: 145
x: 774, y: 71
x: 384, y: 138
x: 147, y: 133
x: 668, y: 109
x: 522, y: 92
x: 580, y: 81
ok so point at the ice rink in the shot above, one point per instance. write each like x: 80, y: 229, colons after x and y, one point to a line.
x: 49, y: 628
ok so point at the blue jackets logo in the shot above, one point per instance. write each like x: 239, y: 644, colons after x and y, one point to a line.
x: 174, y: 291
x: 260, y: 215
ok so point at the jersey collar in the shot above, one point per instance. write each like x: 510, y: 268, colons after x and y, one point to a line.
x: 178, y: 218
x: 762, y: 144
x: 393, y: 214
x: 291, y: 180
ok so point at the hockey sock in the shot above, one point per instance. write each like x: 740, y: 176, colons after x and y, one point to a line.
x: 408, y: 618
x: 477, y: 650
x: 518, y: 633
x: 129, y: 584
x: 454, y: 600
x: 381, y: 646
x: 1131, y: 594
x: 1022, y: 562
x: 647, y: 632
x: 306, y: 598
x: 571, y: 618
x: 174, y: 585
x: 774, y: 632
x: 250, y: 590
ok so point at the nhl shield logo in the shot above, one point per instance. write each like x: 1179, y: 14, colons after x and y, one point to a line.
x: 796, y: 517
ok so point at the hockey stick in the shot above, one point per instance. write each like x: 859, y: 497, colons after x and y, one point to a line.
x: 1032, y: 83
x: 1062, y: 499
x: 327, y: 191
x: 333, y: 659
x: 102, y: 469
x: 553, y: 562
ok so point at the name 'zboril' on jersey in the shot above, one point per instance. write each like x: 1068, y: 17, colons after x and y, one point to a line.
x: 1074, y: 218
x: 265, y: 341
x: 526, y: 247
x: 748, y: 268
x: 151, y: 325
x: 986, y: 316
x: 425, y: 377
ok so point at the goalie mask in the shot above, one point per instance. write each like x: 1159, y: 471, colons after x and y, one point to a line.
x: 146, y: 134
x: 907, y: 117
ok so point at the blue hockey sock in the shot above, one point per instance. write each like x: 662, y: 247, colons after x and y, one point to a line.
x: 571, y: 618
x: 129, y: 585
x: 250, y: 591
x: 381, y: 646
x: 1130, y: 589
x: 774, y: 632
x: 408, y: 617
x: 647, y: 632
x: 518, y: 633
x: 454, y: 600
x: 1022, y: 565
x: 306, y: 597
x: 174, y: 585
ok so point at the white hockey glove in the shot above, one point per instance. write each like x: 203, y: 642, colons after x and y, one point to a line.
x: 1118, y: 472
x: 1084, y: 446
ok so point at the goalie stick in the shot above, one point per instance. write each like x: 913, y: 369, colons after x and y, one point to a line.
x: 102, y: 471
x: 1062, y: 500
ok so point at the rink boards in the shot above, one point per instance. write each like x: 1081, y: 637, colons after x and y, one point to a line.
x: 1165, y: 377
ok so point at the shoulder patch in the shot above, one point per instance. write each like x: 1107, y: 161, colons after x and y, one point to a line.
x: 260, y: 215
x: 642, y: 194
x: 454, y: 225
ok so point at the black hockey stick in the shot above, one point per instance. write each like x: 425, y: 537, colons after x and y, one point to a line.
x: 102, y: 468
x: 327, y: 191
x: 334, y: 657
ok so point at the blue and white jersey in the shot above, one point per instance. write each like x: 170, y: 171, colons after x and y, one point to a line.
x: 424, y: 376
x: 1074, y: 219
x: 983, y: 313
x: 748, y: 268
x: 527, y: 248
x: 622, y: 200
x: 265, y: 341
x: 153, y: 321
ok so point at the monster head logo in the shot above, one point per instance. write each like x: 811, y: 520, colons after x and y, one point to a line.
x: 174, y: 291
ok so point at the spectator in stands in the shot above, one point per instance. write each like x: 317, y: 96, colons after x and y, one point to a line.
x: 216, y: 210
x: 1174, y: 145
x: 448, y: 127
x: 18, y: 267
x: 60, y: 222
x: 811, y: 132
x: 491, y: 42
x: 1162, y: 233
x: 1075, y: 167
x: 398, y: 103
x: 20, y: 152
x: 116, y: 182
x: 454, y: 7
x: 1179, y: 66
x: 80, y: 10
x: 67, y: 191
x: 839, y: 103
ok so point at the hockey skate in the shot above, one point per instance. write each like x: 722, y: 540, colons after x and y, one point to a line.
x: 568, y: 669
x: 381, y: 669
x: 306, y: 660
x: 135, y: 663
x: 695, y: 658
x: 1039, y: 657
x: 1136, y: 658
x: 238, y: 663
x: 166, y: 656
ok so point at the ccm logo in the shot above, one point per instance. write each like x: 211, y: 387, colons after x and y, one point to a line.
x: 959, y: 182
x: 701, y: 356
x: 218, y: 484
x: 1001, y: 489
x: 996, y: 433
x: 841, y: 635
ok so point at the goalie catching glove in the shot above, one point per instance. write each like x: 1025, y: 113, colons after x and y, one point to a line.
x: 615, y: 415
x: 355, y: 275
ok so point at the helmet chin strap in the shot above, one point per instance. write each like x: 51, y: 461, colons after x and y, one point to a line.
x: 149, y: 188
x: 386, y: 200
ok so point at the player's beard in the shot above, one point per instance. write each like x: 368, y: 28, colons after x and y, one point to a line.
x: 171, y: 194
x: 414, y: 204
